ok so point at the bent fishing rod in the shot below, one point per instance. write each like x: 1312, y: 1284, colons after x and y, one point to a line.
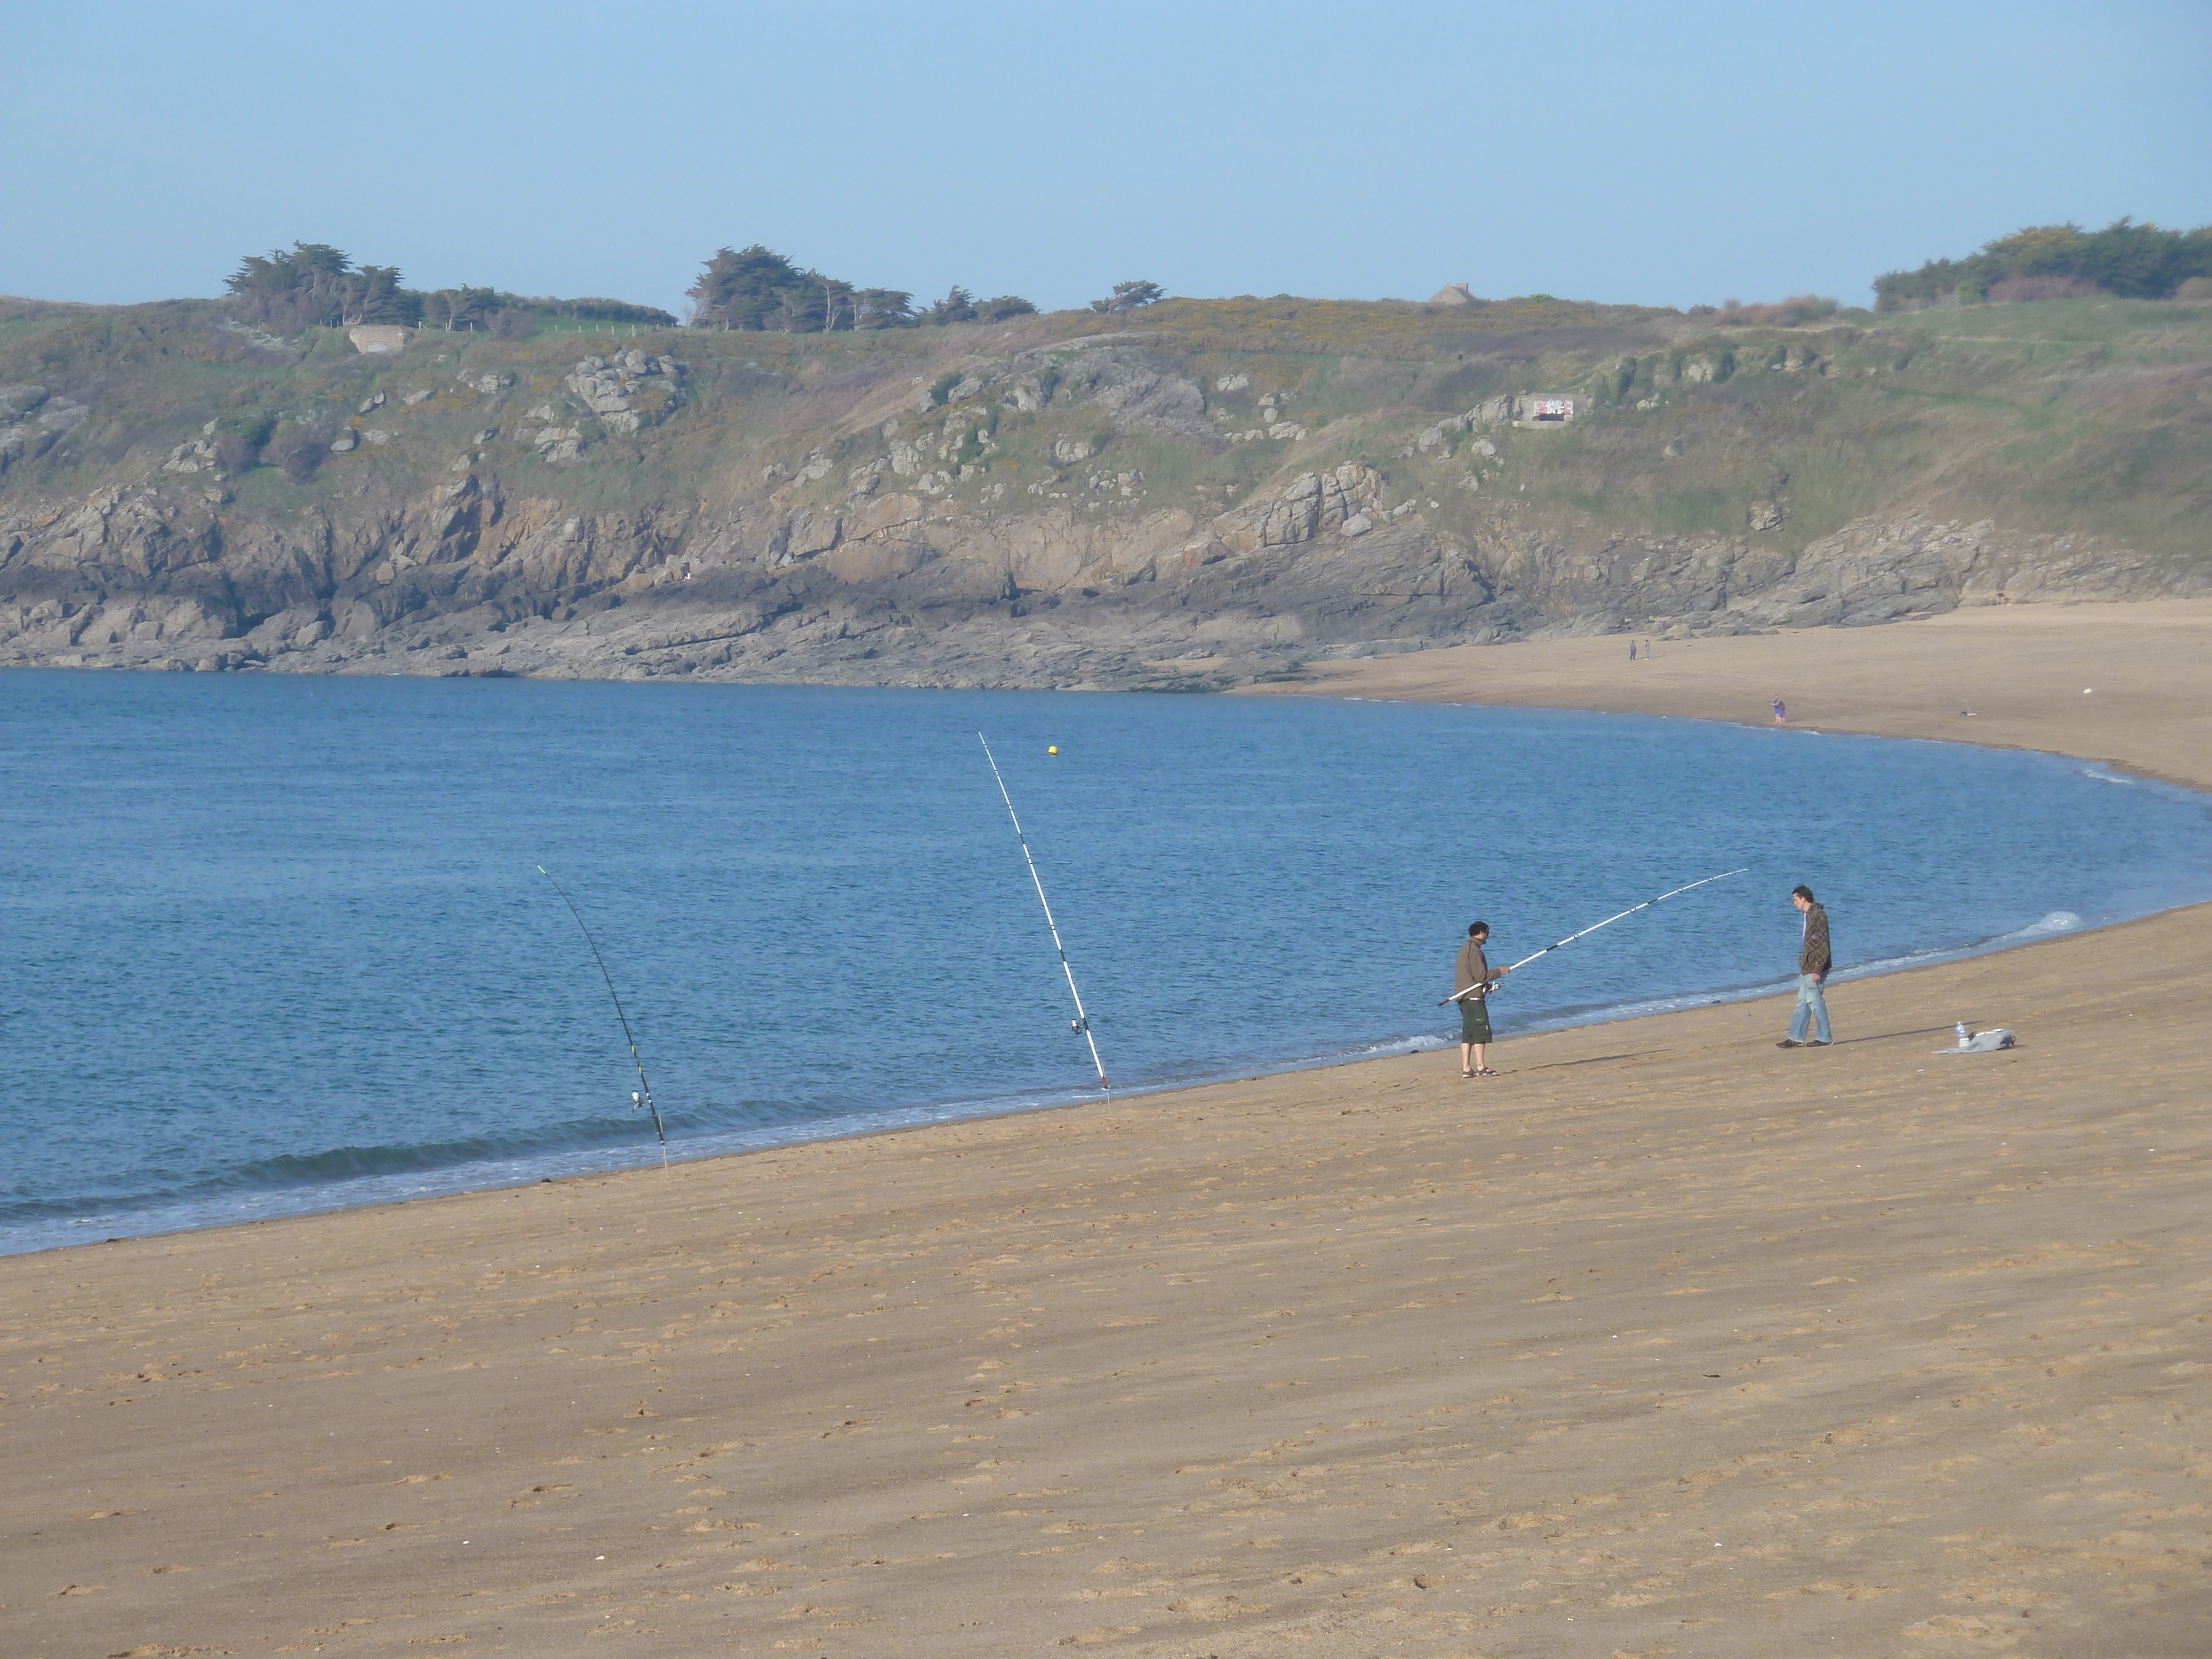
x: 1082, y: 1021
x: 1472, y: 989
x: 644, y: 1097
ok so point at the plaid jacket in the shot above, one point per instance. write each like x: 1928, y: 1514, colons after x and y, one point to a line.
x: 1815, y: 958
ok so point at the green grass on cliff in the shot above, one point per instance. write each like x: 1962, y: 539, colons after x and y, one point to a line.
x: 2073, y: 414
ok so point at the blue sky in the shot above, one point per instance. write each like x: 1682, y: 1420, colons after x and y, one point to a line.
x: 1657, y: 153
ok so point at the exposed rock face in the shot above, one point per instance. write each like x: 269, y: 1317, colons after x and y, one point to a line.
x: 30, y: 421
x: 1309, y: 505
x: 899, y: 589
x: 195, y: 456
x: 616, y: 390
x: 1136, y: 392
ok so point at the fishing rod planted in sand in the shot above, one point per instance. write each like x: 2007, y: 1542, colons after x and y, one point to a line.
x: 1082, y: 1021
x: 644, y: 1095
x: 1472, y: 989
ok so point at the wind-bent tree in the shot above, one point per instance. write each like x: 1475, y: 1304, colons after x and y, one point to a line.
x: 1128, y: 296
x: 460, y: 308
x: 757, y: 287
x: 312, y: 284
x: 746, y: 288
x: 315, y: 284
x: 958, y: 306
x: 883, y: 307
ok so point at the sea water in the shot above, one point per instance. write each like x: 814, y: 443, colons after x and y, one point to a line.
x: 272, y: 945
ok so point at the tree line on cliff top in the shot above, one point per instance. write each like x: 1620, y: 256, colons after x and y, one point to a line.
x: 759, y: 289
x: 2125, y: 259
x: 312, y: 284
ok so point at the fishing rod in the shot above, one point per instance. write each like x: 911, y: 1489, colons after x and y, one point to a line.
x: 1082, y: 1021
x: 1462, y: 996
x: 644, y: 1097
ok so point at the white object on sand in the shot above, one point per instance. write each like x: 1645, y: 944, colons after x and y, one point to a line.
x: 1983, y: 1042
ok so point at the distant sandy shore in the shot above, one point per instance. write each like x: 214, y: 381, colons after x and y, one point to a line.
x: 1667, y: 1342
x: 2130, y: 683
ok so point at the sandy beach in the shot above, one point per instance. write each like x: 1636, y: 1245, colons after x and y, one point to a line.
x: 1666, y: 1341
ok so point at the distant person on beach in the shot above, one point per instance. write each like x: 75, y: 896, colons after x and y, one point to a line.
x: 1472, y: 978
x: 1813, y: 960
x: 1631, y: 650
x: 1781, y: 715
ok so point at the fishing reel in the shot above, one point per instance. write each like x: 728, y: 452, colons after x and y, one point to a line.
x: 1081, y: 1027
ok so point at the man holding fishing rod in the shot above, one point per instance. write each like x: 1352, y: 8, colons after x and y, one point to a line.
x: 1474, y: 975
x: 1472, y: 978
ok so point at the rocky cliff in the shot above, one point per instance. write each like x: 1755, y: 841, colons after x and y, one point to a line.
x: 1207, y: 498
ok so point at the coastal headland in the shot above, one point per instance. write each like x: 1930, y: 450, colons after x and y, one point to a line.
x: 1190, y: 496
x: 1664, y: 1342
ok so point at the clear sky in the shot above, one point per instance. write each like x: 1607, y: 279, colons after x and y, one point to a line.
x: 1658, y: 153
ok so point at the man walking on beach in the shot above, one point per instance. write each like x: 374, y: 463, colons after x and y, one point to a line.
x: 1813, y: 960
x: 1472, y: 978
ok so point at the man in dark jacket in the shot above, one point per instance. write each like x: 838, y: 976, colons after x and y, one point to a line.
x: 1472, y: 978
x: 1813, y: 960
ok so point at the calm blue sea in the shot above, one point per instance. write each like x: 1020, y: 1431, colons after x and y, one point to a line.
x: 271, y: 945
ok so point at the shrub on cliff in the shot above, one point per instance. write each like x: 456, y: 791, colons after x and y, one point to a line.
x: 239, y: 439
x: 959, y: 306
x: 1792, y: 313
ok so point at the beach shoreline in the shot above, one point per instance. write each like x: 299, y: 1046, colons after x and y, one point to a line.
x: 1998, y: 677
x: 378, y: 1192
x: 1664, y: 1342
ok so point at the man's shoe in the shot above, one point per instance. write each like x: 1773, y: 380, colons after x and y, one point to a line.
x: 1820, y: 1042
x: 1789, y: 1043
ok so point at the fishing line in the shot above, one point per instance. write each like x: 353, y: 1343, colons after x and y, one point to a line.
x: 644, y: 1097
x: 1593, y: 926
x: 1082, y: 1021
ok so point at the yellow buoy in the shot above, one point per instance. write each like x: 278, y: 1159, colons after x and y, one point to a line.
x: 1052, y: 748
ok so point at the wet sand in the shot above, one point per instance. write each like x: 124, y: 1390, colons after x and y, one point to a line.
x: 1665, y: 1342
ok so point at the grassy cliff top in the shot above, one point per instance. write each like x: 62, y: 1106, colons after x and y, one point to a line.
x: 2086, y: 414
